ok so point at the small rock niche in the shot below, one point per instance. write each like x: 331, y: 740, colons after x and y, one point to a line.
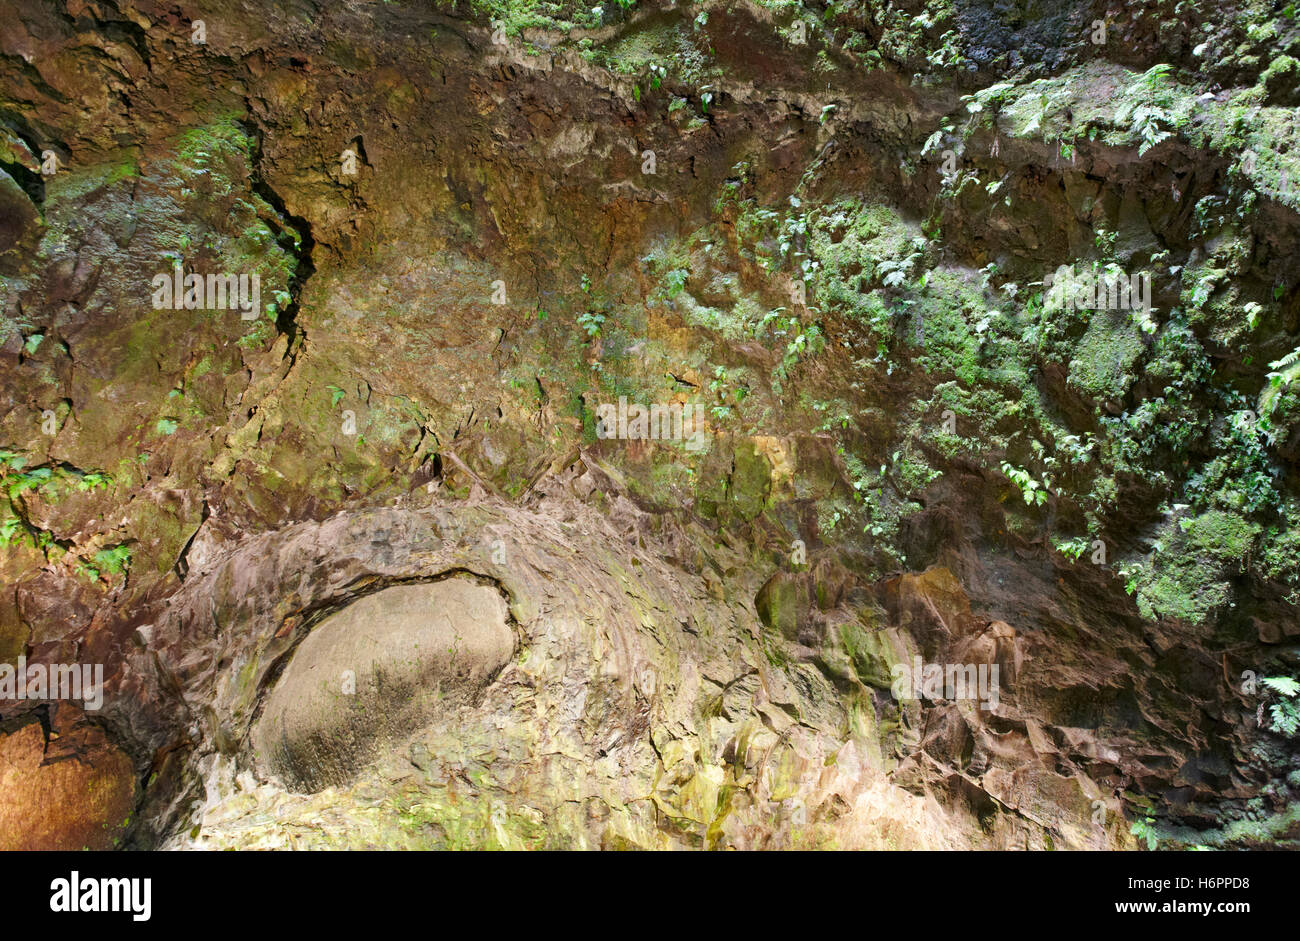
x: 375, y: 672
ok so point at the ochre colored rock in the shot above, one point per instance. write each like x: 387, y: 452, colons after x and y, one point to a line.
x: 76, y: 794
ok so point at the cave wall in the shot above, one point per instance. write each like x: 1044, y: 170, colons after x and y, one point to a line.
x: 826, y: 226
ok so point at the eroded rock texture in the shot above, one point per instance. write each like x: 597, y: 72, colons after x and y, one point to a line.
x: 387, y: 663
x: 824, y: 227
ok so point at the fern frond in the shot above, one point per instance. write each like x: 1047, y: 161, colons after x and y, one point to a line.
x: 1287, y: 370
x: 1284, y: 721
x: 1282, y: 684
x: 1290, y: 359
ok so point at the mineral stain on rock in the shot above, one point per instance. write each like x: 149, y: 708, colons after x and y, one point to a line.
x: 63, y: 788
x: 375, y: 671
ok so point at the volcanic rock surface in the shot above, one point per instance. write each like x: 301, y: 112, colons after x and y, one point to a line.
x: 366, y: 569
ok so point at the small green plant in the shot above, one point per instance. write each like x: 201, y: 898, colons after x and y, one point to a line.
x: 807, y: 341
x: 336, y: 395
x: 760, y: 328
x: 591, y: 322
x: 893, y: 273
x: 1072, y: 548
x: 93, y: 481
x: 166, y: 426
x: 1285, y: 713
x: 1077, y: 451
x: 794, y: 231
x: 1154, y: 86
x: 115, y: 560
x: 34, y: 479
x: 1034, y: 492
x: 1132, y: 577
x: 1144, y: 829
x: 10, y: 529
x: 1252, y: 311
x: 1285, y: 371
x: 675, y: 281
x: 719, y: 385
